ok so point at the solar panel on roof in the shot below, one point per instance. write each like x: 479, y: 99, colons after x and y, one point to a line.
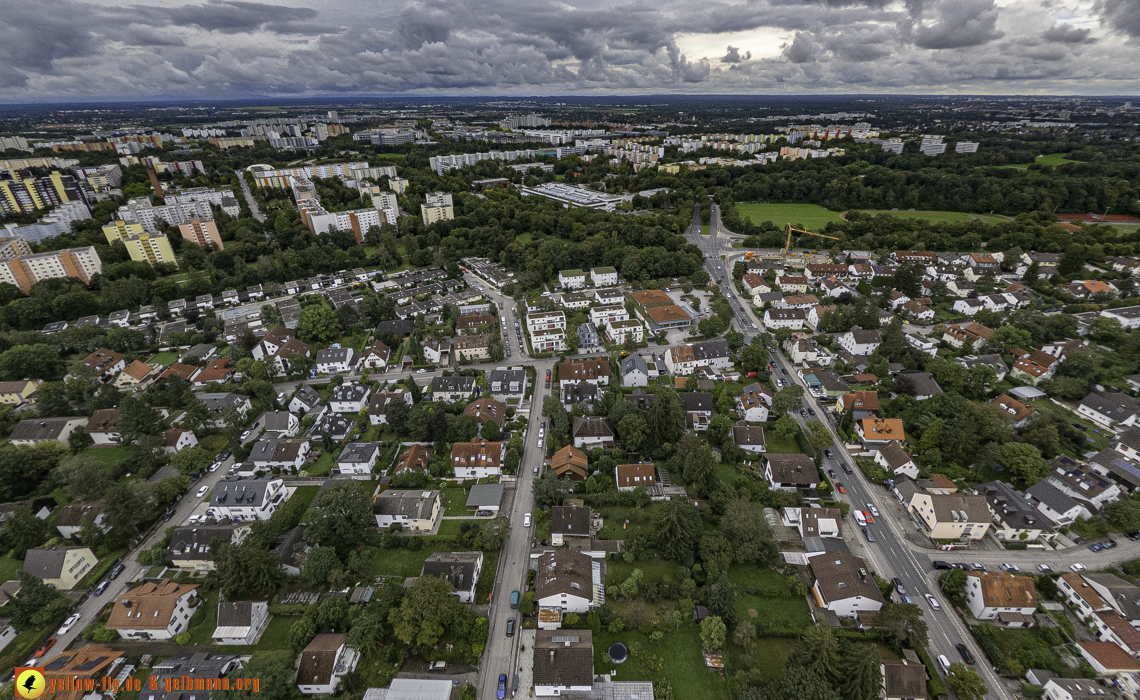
x: 561, y: 639
x: 92, y: 663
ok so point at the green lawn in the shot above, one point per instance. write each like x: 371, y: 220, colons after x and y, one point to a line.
x: 110, y: 456
x: 778, y: 444
x: 1053, y: 159
x: 450, y: 528
x: 205, y: 619
x: 1095, y: 437
x: 615, y: 517
x: 811, y: 216
x: 10, y: 568
x: 782, y: 614
x: 933, y: 216
x: 683, y: 667
x: 275, y: 636
x: 306, y: 493
x: 163, y: 358
x: 322, y: 465
x: 618, y: 571
x: 404, y: 562
x: 456, y: 499
x: 487, y: 577
x: 771, y: 654
x: 523, y: 237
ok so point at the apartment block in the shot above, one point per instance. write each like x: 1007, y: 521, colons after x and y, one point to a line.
x: 437, y: 206
x: 120, y: 230
x: 141, y: 210
x: 151, y: 248
x: 22, y: 268
x: 202, y: 232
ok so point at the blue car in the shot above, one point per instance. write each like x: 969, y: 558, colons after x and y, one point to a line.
x: 502, y: 686
x: 1096, y: 547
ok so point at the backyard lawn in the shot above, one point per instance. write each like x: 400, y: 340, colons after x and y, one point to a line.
x: 163, y: 358
x: 322, y: 465
x: 810, y: 216
x: 456, y: 499
x: 306, y: 493
x: 450, y: 528
x: 405, y: 562
x: 1095, y: 436
x: 10, y: 568
x: 615, y: 517
x: 683, y: 664
x: 110, y: 456
x: 618, y: 571
x: 778, y: 444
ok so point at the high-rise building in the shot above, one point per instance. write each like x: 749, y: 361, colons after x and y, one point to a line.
x: 18, y: 143
x: 398, y: 185
x: 120, y: 230
x: 437, y: 207
x: 29, y: 194
x: 22, y: 268
x: 153, y: 248
x: 202, y: 232
x: 176, y: 213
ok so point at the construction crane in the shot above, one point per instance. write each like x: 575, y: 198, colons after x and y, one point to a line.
x: 788, y: 245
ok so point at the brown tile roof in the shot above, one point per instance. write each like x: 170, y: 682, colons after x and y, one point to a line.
x: 319, y: 658
x: 105, y: 420
x: 904, y: 680
x: 148, y: 606
x: 861, y: 400
x: 278, y: 335
x: 487, y: 409
x: 1002, y: 590
x: 414, y: 458
x: 583, y: 370
x: 942, y: 481
x: 1122, y: 628
x: 626, y: 473
x: 471, y: 342
x: 102, y: 360
x: 591, y: 426
x: 564, y: 658
x: 569, y: 459
x: 651, y: 296
x: 838, y: 577
x: 1110, y: 655
x: 379, y: 349
x: 478, y: 452
x: 665, y: 314
x: 883, y: 429
x: 179, y: 370
x: 474, y: 321
x: 170, y: 437
x: 138, y: 370
x: 215, y: 371
x: 560, y: 570
x: 91, y: 661
x: 1084, y: 590
x: 1017, y: 410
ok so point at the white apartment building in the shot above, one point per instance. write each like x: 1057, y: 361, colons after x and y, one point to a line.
x: 604, y: 276
x: 619, y: 331
x: 546, y: 320
x: 605, y: 315
x: 140, y: 210
x: 571, y: 279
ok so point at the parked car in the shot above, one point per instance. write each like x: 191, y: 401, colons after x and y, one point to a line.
x: 944, y: 663
x: 100, y: 588
x: 1044, y: 568
x: 67, y: 625
x: 536, y: 471
x: 1096, y: 547
x: 1108, y: 545
x: 116, y: 571
x: 942, y: 564
x: 899, y: 585
x: 965, y: 652
x: 977, y: 567
x: 1009, y: 567
x: 202, y: 491
x: 932, y: 602
x: 1078, y: 567
x: 511, y: 627
x: 502, y: 691
x: 44, y: 649
x: 840, y: 488
x: 437, y: 666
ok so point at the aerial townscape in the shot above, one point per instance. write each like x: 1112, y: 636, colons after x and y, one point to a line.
x: 605, y: 397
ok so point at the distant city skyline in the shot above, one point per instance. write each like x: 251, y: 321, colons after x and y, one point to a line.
x: 65, y: 49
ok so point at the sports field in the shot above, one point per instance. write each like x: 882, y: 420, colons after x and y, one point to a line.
x: 810, y: 216
x: 934, y: 216
x: 1053, y: 159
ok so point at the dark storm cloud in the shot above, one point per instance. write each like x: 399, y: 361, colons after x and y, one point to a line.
x: 1067, y: 34
x: 227, y: 48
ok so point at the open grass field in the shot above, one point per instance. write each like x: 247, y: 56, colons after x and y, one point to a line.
x: 523, y: 237
x: 683, y: 667
x: 1053, y: 159
x: 936, y: 217
x: 810, y: 216
x: 163, y: 358
x: 405, y: 562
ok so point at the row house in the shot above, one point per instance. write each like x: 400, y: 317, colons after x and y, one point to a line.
x: 792, y: 284
x: 784, y: 318
x: 820, y: 271
x: 681, y: 360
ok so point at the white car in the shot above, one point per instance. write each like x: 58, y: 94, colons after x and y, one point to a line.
x: 245, y: 435
x: 526, y: 520
x: 202, y: 491
x: 1008, y: 567
x: 1044, y: 568
x: 1077, y: 567
x: 214, y: 467
x: 67, y: 625
x: 873, y: 509
x: 932, y: 602
x: 540, y: 442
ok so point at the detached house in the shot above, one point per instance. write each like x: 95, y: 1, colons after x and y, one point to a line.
x: 452, y: 389
x: 893, y: 457
x: 860, y: 342
x: 105, y: 364
x: 381, y: 401
x: 104, y: 427
x: 631, y: 476
x: 61, y: 568
x: 349, y: 398
x: 334, y: 360
x: 477, y: 459
x: 754, y: 403
x: 952, y: 516
x: 376, y: 357
x: 570, y: 463
x: 416, y: 511
x: 323, y: 664
x: 569, y: 581
x: 880, y: 431
x: 790, y: 472
x: 460, y: 569
x: 1108, y: 408
x: 844, y: 585
x: 153, y: 610
x: 1018, y: 412
x: 590, y: 431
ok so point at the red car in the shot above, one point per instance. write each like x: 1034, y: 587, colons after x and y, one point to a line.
x: 867, y: 515
x: 49, y: 645
x: 750, y: 375
x: 840, y: 488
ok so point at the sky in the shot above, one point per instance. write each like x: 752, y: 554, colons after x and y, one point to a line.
x: 147, y: 49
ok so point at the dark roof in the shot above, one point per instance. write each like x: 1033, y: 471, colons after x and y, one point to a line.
x: 839, y: 578
x: 358, y: 452
x: 248, y: 493
x: 483, y: 495
x: 570, y: 520
x: 634, y: 362
x: 457, y: 568
x: 319, y: 658
x: 46, y: 563
x: 199, y: 665
x: 579, y: 392
x: 1115, y: 405
x: 1048, y: 493
x: 235, y: 613
x: 308, y: 395
x: 917, y: 384
x: 41, y: 428
x: 349, y: 392
x: 564, y: 658
x: 640, y: 398
x: 588, y: 426
x: 1012, y: 507
x: 792, y: 469
x: 696, y: 401
x: 744, y: 434
x: 565, y: 571
x: 193, y: 543
x: 904, y: 680
x: 449, y: 384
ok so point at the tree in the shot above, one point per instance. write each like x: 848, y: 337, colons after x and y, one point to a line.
x: 1007, y: 337
x: 633, y: 430
x: 745, y: 636
x: 746, y: 530
x: 860, y: 677
x: 549, y: 490
x: 37, y: 604
x: 716, y: 553
x: 908, y: 279
x: 85, y: 477
x: 319, y: 563
x: 318, y: 324
x: 713, y: 633
x: 818, y: 651
x: 802, y: 684
x: 277, y: 676
x: 170, y: 489
x: 496, y: 349
x: 1124, y: 516
x: 192, y: 460
x: 23, y: 531
x: 301, y: 633
x: 722, y: 600
x: 397, y: 416
x: 340, y: 517
x: 818, y: 435
x: 24, y: 361
x: 666, y: 419
x: 124, y: 507
x: 905, y: 622
x: 1024, y: 461
x: 678, y: 528
x: 1072, y: 262
x: 491, y: 431
x: 137, y: 420
x: 786, y: 426
x: 428, y: 611
x: 333, y: 614
x: 787, y: 400
x: 719, y: 429
x: 244, y: 570
x: 965, y: 682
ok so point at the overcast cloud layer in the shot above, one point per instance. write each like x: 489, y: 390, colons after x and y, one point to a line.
x: 225, y: 48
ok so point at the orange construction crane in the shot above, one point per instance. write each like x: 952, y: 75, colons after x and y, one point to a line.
x: 788, y: 245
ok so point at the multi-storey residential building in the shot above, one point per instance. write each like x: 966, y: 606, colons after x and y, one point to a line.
x: 620, y: 331
x: 27, y: 194
x: 604, y: 276
x: 154, y: 610
x: 151, y: 248
x: 603, y: 315
x: 683, y: 359
x: 437, y: 206
x: 358, y: 221
x: 202, y: 232
x: 571, y: 279
x: 140, y: 210
x: 477, y: 459
x: 24, y: 269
